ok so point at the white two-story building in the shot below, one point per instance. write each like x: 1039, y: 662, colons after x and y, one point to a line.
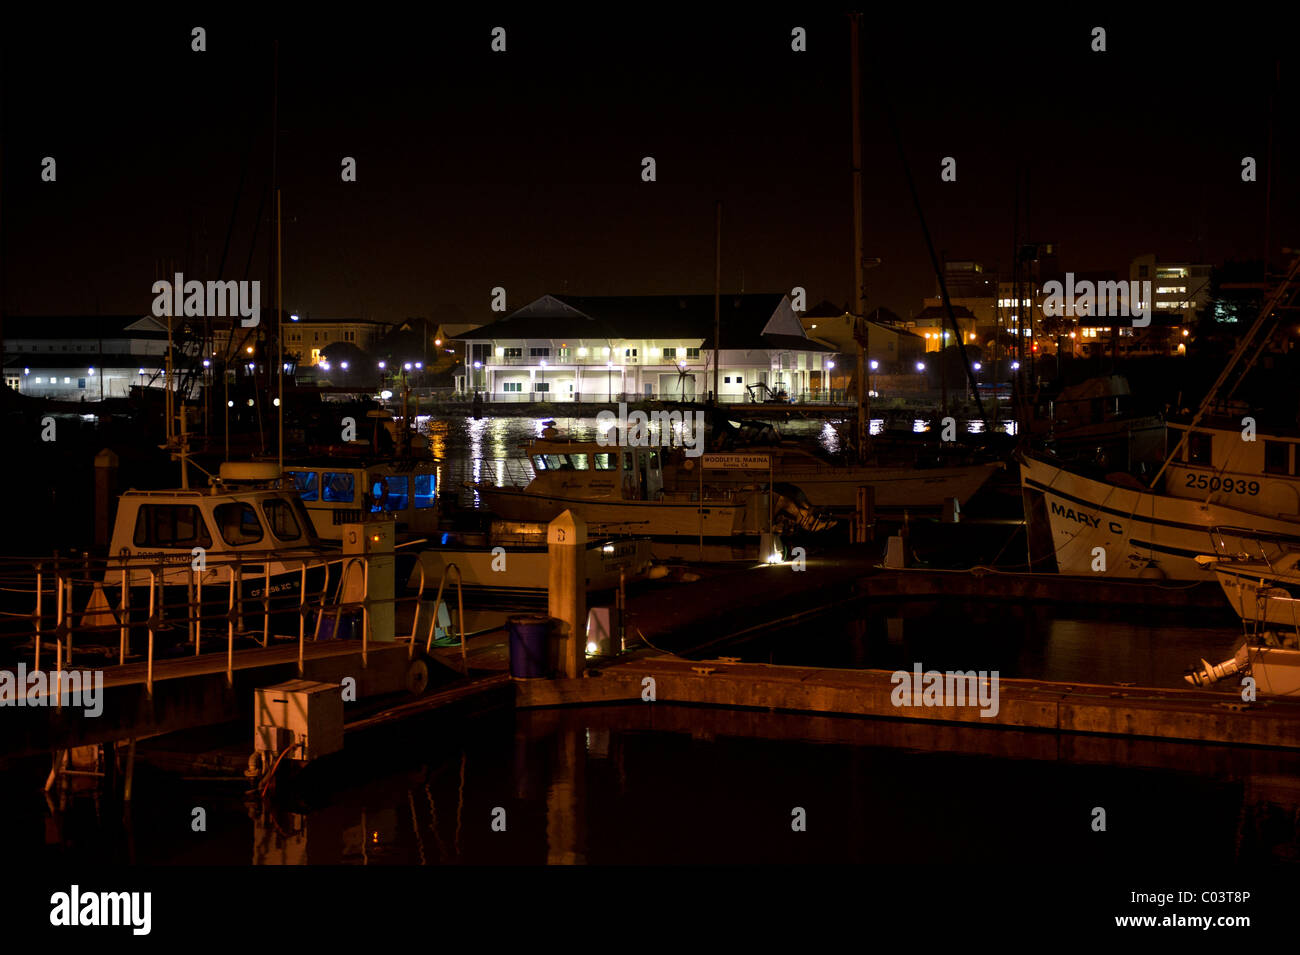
x: 576, y: 348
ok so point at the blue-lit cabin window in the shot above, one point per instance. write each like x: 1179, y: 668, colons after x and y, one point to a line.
x: 304, y: 482
x: 338, y: 487
x: 425, y: 490
x: 399, y: 493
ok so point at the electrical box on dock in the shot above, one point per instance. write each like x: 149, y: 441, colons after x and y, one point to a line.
x: 299, y: 712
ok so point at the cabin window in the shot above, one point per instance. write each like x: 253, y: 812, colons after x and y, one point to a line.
x: 279, y: 514
x: 605, y: 461
x: 338, y: 487
x: 1277, y: 457
x: 238, y: 523
x: 398, y: 493
x: 170, y: 525
x: 539, y: 462
x: 1200, y: 448
x: 304, y: 482
x: 424, y: 490
x: 558, y: 462
x: 579, y: 461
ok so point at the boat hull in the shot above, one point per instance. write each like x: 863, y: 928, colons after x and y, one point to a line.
x: 1115, y: 531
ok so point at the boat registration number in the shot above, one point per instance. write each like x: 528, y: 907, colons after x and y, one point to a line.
x: 1216, y: 483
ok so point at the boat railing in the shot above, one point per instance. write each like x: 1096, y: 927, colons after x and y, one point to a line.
x: 63, y: 604
x: 460, y: 615
x: 1267, y: 548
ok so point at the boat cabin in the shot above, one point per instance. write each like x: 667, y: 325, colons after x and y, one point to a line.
x: 337, y: 492
x: 590, y: 469
x: 1225, y: 462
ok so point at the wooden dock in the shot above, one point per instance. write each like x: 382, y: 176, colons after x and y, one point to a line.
x: 1061, y: 708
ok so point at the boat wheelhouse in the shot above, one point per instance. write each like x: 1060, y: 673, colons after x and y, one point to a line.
x: 337, y: 491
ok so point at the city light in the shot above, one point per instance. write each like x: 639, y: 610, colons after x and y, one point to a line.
x: 383, y: 365
x: 977, y: 366
x: 874, y: 365
x: 920, y: 366
x: 342, y: 364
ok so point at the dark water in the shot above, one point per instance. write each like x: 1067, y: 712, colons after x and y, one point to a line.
x: 1036, y: 641
x: 646, y: 784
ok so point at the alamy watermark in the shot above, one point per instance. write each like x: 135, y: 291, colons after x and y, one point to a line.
x: 211, y: 299
x: 76, y: 908
x: 79, y: 688
x: 952, y: 688
x: 636, y: 429
x: 1099, y: 300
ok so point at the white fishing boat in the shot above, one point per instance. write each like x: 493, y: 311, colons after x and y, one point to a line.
x: 619, y: 491
x: 1222, y: 470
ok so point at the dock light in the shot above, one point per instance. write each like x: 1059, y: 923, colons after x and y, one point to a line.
x: 680, y: 364
x: 774, y: 557
x: 293, y: 318
x: 830, y: 366
x: 207, y: 363
x: 90, y: 372
x: 419, y: 365
x: 592, y: 649
x: 406, y: 366
x: 325, y: 365
x: 250, y: 402
x: 249, y: 349
x: 543, y: 363
x: 874, y: 365
x: 385, y: 395
x: 920, y: 366
x: 977, y: 366
x: 607, y: 549
x: 276, y: 402
x: 251, y: 366
x: 1186, y: 333
x: 1015, y: 366
x: 383, y: 365
x: 438, y: 342
x: 478, y: 364
x: 28, y: 371
x: 342, y: 364
x: 230, y: 404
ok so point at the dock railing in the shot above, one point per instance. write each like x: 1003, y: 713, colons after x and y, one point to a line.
x: 106, y: 602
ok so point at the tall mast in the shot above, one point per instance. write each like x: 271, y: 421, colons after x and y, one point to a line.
x: 279, y: 334
x: 717, y: 297
x: 859, y: 306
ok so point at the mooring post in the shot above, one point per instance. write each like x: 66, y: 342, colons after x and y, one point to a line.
x: 566, y: 542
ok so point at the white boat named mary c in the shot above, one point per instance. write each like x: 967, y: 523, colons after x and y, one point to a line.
x: 1215, y: 480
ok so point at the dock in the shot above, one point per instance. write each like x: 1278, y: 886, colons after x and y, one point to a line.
x: 1059, y: 708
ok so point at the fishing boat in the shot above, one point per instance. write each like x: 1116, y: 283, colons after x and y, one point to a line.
x: 1225, y: 468
x: 347, y: 489
x: 619, y: 491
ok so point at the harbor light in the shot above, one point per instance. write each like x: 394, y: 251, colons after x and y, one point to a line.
x: 90, y: 372
x: 977, y: 366
x: 250, y: 402
x: 920, y: 366
x: 874, y: 365
x: 419, y: 365
x: 406, y: 366
x: 207, y: 363
x: 249, y: 349
x: 592, y: 649
x: 276, y: 402
x: 1015, y: 366
x: 437, y: 342
x: 342, y: 364
x: 385, y: 395
x: 293, y: 318
x: 383, y: 365
x: 830, y: 366
x: 230, y: 403
x: 324, y: 364
x: 774, y: 557
x: 478, y: 364
x: 28, y: 371
x: 543, y: 363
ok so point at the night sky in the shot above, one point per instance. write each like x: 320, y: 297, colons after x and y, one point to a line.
x: 523, y: 169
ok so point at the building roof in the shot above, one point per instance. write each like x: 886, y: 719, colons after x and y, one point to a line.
x: 938, y: 311
x: 747, y: 321
x: 86, y: 327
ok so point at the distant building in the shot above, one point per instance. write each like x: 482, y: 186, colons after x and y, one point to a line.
x: 1181, y: 287
x: 83, y: 357
x: 567, y: 347
x: 307, y: 337
x: 933, y: 326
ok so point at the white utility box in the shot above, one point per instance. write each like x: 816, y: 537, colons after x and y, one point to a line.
x: 299, y: 711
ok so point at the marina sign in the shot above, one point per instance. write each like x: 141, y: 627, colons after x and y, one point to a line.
x: 737, y: 462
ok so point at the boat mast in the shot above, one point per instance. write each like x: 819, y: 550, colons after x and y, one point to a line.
x: 279, y: 334
x: 859, y: 306
x: 717, y: 297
